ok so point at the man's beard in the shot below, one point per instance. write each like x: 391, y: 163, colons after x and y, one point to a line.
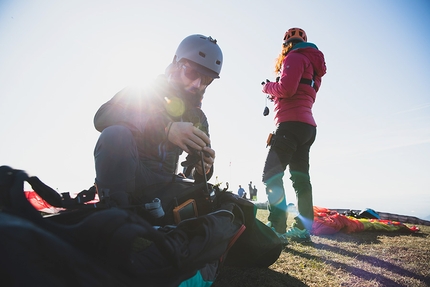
x: 192, y: 100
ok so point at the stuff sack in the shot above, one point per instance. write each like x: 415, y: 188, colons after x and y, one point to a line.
x: 258, y: 246
x: 369, y: 213
x: 121, y: 247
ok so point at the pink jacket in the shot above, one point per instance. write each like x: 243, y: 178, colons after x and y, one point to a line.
x: 294, y: 100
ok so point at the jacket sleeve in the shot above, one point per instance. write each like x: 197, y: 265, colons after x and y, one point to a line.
x: 292, y: 71
x: 125, y: 108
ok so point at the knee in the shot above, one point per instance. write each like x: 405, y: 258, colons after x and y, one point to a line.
x: 273, y: 179
x: 115, y: 132
x: 300, y: 178
x: 115, y: 142
x: 116, y: 136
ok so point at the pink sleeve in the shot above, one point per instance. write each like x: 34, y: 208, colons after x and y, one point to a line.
x: 292, y: 71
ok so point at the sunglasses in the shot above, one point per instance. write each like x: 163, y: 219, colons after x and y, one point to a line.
x: 193, y: 74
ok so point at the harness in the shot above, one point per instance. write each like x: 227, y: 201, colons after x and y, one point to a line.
x: 310, y: 82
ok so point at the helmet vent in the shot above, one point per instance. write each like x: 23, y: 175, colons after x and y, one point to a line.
x: 203, y: 55
x: 218, y: 62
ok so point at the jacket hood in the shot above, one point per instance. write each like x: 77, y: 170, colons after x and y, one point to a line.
x: 315, y: 56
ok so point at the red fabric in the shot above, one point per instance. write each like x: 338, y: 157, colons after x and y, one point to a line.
x: 40, y: 204
x: 327, y: 221
x: 351, y: 224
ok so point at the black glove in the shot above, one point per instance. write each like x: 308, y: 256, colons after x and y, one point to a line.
x: 263, y: 83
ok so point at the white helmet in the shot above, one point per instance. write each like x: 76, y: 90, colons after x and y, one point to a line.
x: 203, y: 51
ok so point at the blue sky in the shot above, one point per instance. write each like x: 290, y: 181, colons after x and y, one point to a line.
x: 60, y: 60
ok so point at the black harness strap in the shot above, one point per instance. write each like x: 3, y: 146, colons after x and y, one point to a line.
x: 310, y: 82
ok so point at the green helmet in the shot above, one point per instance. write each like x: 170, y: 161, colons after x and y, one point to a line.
x: 203, y: 51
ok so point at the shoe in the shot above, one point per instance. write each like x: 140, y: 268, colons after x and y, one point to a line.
x: 281, y: 236
x: 298, y: 235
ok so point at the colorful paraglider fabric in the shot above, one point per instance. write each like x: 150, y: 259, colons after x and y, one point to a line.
x: 328, y: 221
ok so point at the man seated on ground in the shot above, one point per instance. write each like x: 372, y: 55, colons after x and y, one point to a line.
x: 143, y: 132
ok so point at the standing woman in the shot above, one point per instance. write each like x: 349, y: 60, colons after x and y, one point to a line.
x: 300, y: 67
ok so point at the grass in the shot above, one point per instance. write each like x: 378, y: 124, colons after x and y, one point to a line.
x: 365, y: 259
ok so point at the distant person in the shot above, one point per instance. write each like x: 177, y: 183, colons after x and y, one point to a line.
x: 299, y: 68
x: 241, y: 191
x: 254, y: 194
x: 250, y: 189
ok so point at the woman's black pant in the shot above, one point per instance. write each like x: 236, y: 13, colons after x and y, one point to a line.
x: 290, y: 146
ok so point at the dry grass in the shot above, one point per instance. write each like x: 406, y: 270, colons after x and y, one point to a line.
x: 359, y: 259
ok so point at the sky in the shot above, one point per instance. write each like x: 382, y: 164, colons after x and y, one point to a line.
x: 61, y: 60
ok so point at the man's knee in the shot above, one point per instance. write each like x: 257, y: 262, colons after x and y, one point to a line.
x: 116, y: 136
x: 115, y: 156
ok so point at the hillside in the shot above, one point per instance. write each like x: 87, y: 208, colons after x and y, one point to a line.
x: 358, y: 259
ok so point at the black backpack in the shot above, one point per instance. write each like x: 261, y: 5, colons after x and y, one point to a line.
x: 121, y: 246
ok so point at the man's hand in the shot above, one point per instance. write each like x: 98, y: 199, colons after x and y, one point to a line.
x: 208, y: 161
x: 186, y: 136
